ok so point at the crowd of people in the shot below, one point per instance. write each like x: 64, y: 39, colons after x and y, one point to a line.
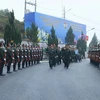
x: 17, y: 56
x: 66, y: 54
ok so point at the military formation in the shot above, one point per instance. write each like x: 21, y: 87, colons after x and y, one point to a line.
x: 24, y: 56
x: 66, y: 54
x: 94, y: 54
x: 19, y: 56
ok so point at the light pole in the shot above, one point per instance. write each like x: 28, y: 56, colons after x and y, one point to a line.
x: 32, y: 4
x: 87, y: 35
x: 90, y: 29
x: 65, y: 16
x: 65, y: 12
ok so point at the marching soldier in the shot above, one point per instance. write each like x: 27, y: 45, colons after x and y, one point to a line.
x: 1, y: 59
x: 9, y: 57
x: 72, y: 54
x: 59, y: 56
x: 51, y: 54
x: 66, y: 56
x: 55, y: 54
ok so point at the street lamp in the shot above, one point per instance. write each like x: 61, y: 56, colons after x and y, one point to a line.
x: 90, y: 29
x: 86, y: 37
x: 68, y: 10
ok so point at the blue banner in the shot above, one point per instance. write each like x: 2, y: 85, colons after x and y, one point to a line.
x: 61, y: 26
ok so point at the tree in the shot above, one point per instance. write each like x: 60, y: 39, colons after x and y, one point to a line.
x: 32, y: 33
x: 7, y: 33
x: 54, y: 39
x: 69, y: 37
x: 82, y: 45
x: 11, y: 32
x: 4, y: 12
x: 28, y: 33
x: 18, y: 37
x: 4, y: 19
x: 49, y: 40
x: 94, y: 40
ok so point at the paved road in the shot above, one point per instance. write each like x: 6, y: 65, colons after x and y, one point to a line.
x: 80, y: 82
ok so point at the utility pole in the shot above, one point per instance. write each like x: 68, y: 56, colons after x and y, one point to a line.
x: 25, y: 8
x: 64, y: 12
x: 29, y: 3
x: 35, y: 5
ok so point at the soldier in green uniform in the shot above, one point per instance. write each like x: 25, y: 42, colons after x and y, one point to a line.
x: 58, y: 56
x: 39, y: 54
x: 72, y: 54
x: 31, y: 54
x: 51, y: 54
x: 23, y: 55
x: 66, y: 56
x: 26, y: 55
x: 19, y: 56
x: 15, y: 57
x: 34, y: 55
x: 55, y: 54
x: 62, y: 53
x: 9, y: 57
x: 1, y: 59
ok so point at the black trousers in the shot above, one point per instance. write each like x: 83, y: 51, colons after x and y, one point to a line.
x: 26, y: 63
x: 9, y: 65
x: 1, y: 66
x: 54, y: 61
x: 23, y: 63
x: 66, y: 64
x: 50, y: 63
x: 14, y: 66
x: 19, y: 65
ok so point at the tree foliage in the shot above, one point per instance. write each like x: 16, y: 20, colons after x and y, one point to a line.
x: 81, y: 44
x: 94, y: 40
x: 4, y: 12
x: 11, y: 32
x: 32, y: 33
x: 4, y: 19
x: 52, y: 39
x: 49, y: 40
x: 69, y: 37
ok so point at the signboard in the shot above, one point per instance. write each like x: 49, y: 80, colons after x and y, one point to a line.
x: 61, y: 26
